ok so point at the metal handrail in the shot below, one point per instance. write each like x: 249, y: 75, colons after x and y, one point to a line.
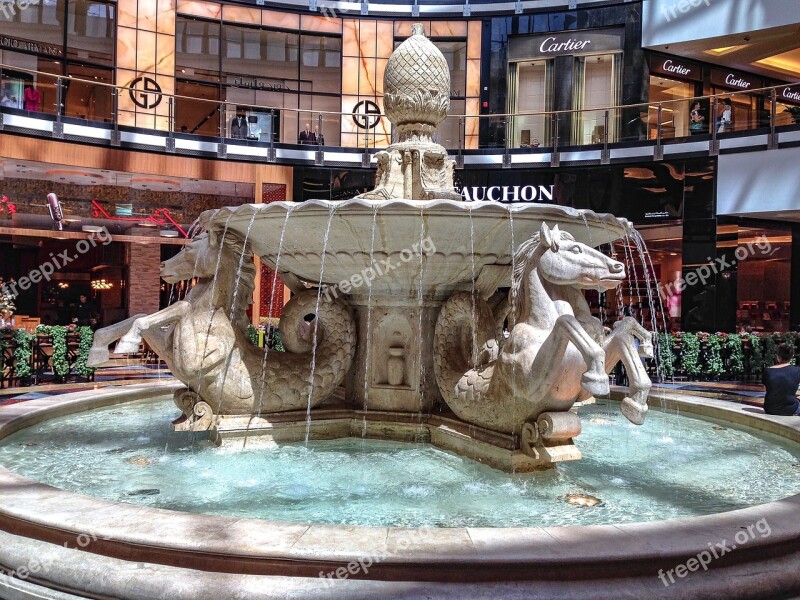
x: 768, y: 91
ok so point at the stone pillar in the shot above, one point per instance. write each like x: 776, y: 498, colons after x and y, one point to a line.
x: 144, y: 280
x: 395, y: 332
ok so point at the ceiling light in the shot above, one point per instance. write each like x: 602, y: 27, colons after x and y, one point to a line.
x: 169, y: 233
x: 92, y: 228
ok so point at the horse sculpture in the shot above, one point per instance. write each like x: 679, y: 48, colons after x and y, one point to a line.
x: 203, y: 339
x: 556, y: 354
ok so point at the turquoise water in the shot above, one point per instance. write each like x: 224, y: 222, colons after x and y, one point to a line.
x: 672, y: 466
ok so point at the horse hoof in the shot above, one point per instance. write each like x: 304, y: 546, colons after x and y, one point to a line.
x: 633, y: 411
x: 646, y: 350
x: 97, y: 356
x: 595, y: 383
x: 127, y: 346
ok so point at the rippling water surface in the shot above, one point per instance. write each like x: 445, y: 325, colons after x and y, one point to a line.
x: 672, y: 466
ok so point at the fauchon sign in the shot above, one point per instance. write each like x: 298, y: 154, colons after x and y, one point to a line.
x: 508, y: 193
x: 736, y: 81
x: 28, y: 46
x: 564, y: 43
x: 675, y: 67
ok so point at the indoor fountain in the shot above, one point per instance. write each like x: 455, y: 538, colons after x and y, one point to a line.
x: 437, y: 352
x: 400, y: 299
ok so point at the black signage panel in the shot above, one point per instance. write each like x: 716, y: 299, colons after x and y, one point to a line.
x: 564, y: 43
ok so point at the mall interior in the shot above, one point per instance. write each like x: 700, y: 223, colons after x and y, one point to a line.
x: 146, y: 114
x: 122, y: 121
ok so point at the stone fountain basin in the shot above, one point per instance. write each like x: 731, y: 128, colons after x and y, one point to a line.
x: 140, y: 552
x: 300, y: 240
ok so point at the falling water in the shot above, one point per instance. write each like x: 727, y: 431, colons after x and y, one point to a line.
x: 367, y: 354
x: 264, y: 360
x: 331, y: 212
x: 241, y: 264
x: 653, y: 315
x: 213, y: 290
x: 511, y: 313
x: 420, y: 340
x: 473, y: 294
x: 642, y: 247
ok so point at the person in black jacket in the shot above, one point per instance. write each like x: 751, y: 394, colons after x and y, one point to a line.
x: 307, y: 136
x: 239, y: 127
x: 782, y: 381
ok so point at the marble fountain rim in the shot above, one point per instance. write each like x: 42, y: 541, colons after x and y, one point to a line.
x: 251, y: 546
x: 219, y: 216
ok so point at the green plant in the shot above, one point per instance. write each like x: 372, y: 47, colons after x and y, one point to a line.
x: 690, y: 353
x: 277, y: 344
x: 770, y: 351
x: 714, y: 363
x: 58, y: 333
x: 86, y: 340
x: 756, y: 354
x: 252, y: 334
x: 23, y: 352
x: 735, y: 353
x: 666, y: 356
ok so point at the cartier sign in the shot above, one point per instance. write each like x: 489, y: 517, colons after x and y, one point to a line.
x: 564, y: 43
x: 790, y: 95
x: 672, y: 67
x: 509, y: 193
x: 737, y: 81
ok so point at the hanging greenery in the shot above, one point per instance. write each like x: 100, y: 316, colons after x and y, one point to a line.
x: 714, y: 364
x: 277, y: 344
x: 58, y: 334
x: 756, y: 354
x: 690, y: 353
x: 252, y: 334
x: 770, y: 351
x: 666, y: 356
x: 22, y: 352
x: 735, y: 353
x: 86, y: 341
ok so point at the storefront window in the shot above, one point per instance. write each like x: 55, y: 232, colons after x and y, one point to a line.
x: 676, y: 109
x: 531, y: 87
x: 90, y: 31
x: 197, y: 108
x: 596, y: 86
x: 87, y: 100
x: 764, y: 277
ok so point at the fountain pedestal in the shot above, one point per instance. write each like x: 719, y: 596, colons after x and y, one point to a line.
x: 393, y: 368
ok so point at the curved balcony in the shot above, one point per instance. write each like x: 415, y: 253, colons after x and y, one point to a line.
x: 632, y: 133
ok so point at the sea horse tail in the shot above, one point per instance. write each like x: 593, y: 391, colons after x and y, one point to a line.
x: 465, y: 348
x: 301, y: 377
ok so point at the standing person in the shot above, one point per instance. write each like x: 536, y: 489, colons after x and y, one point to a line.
x: 85, y: 312
x: 239, y: 127
x: 307, y: 136
x: 319, y: 139
x: 782, y: 381
x: 725, y: 116
x: 697, y: 121
x: 32, y: 98
x: 8, y: 99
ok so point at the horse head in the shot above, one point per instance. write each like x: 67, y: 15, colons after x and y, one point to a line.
x: 197, y: 259
x: 566, y: 262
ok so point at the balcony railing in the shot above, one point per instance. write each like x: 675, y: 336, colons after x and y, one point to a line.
x: 763, y: 110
